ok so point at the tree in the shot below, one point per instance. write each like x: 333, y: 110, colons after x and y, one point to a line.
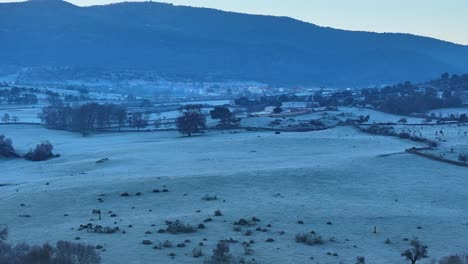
x: 120, y: 114
x: 191, y: 120
x: 139, y: 120
x: 14, y: 119
x: 226, y: 117
x: 42, y: 152
x: 6, y: 147
x: 6, y: 118
x: 416, y: 252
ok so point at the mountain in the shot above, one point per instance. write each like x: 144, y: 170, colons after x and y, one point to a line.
x: 211, y: 44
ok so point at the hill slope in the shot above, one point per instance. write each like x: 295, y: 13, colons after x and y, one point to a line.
x: 207, y: 43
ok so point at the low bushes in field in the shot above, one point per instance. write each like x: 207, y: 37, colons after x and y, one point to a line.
x: 178, y: 227
x: 309, y: 239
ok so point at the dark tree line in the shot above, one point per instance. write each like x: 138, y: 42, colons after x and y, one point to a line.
x: 63, y: 252
x: 84, y: 118
x: 406, y: 98
x: 254, y: 105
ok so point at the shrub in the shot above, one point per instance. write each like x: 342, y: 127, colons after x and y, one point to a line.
x: 42, y: 152
x: 454, y: 259
x: 247, y: 249
x: 147, y: 242
x: 197, y: 252
x: 360, y: 260
x: 221, y: 254
x: 6, y: 147
x: 167, y: 244
x: 208, y: 197
x: 177, y: 227
x: 309, y: 239
x: 218, y: 213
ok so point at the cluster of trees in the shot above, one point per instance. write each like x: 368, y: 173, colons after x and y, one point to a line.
x: 43, y: 151
x: 6, y: 118
x: 259, y: 104
x: 407, y: 98
x: 403, y: 98
x: 17, y: 95
x: 227, y: 119
x: 192, y: 119
x: 63, y: 252
x: 85, y: 118
x: 452, y: 83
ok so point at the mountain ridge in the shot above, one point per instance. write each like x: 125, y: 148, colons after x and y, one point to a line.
x: 208, y: 43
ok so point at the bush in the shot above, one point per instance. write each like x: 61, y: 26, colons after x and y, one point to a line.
x: 42, y: 152
x: 309, y: 239
x: 208, y: 197
x: 197, y: 252
x: 455, y: 259
x: 178, y: 227
x: 221, y: 255
x: 6, y: 147
x: 360, y: 260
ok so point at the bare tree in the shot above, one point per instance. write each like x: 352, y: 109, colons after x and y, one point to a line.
x: 417, y: 252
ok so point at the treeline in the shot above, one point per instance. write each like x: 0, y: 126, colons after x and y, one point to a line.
x: 85, y: 118
x: 17, y: 95
x: 403, y: 98
x: 451, y: 83
x: 259, y: 104
x: 407, y: 98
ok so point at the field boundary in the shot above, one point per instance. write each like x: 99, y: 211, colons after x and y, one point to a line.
x: 417, y: 151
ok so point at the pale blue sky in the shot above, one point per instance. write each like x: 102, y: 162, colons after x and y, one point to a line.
x: 443, y: 19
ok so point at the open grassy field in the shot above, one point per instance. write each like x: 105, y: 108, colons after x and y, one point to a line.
x: 339, y: 182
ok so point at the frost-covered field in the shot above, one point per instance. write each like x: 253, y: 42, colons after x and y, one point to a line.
x: 352, y: 180
x: 25, y: 113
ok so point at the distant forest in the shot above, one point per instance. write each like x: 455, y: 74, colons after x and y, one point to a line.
x: 403, y: 98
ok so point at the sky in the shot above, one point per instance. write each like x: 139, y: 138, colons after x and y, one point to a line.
x: 442, y: 19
